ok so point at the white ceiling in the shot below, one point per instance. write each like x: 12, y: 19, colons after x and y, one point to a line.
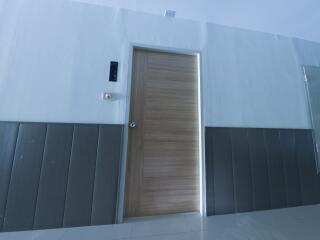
x: 294, y: 18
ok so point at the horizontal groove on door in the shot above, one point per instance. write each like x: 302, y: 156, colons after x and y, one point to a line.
x: 58, y: 174
x: 250, y: 169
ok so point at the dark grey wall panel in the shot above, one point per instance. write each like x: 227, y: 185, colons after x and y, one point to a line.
x: 272, y: 168
x: 26, y: 169
x: 292, y: 177
x: 242, y: 170
x: 276, y: 169
x: 209, y: 172
x: 81, y: 176
x: 259, y: 167
x: 222, y: 171
x: 106, y: 175
x: 307, y: 170
x: 8, y: 138
x: 54, y: 176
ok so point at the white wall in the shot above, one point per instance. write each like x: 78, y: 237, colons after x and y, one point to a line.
x: 293, y: 18
x: 57, y: 69
x: 308, y: 52
x: 55, y: 66
x: 253, y: 80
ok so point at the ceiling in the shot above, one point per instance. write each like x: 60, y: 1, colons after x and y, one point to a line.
x: 293, y: 18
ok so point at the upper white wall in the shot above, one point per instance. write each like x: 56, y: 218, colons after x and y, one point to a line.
x: 56, y: 64
x: 293, y: 18
x: 308, y: 52
x: 253, y: 80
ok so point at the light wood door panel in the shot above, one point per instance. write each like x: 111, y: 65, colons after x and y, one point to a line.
x: 163, y: 166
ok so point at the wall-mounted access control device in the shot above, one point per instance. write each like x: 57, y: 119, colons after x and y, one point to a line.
x: 113, y: 76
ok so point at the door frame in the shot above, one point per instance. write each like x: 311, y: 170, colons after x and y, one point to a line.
x: 125, y: 137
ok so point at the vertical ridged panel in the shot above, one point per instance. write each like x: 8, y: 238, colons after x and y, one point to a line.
x: 242, y: 170
x: 25, y: 174
x: 259, y: 166
x: 79, y: 194
x: 8, y: 139
x: 222, y: 172
x: 292, y: 177
x: 276, y: 170
x: 54, y: 177
x: 106, y: 175
x: 272, y: 168
x: 307, y: 168
x: 209, y: 171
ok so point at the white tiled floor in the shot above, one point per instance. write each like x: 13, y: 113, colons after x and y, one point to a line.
x: 301, y: 223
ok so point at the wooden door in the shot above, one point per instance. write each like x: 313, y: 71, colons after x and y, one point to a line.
x: 163, y: 166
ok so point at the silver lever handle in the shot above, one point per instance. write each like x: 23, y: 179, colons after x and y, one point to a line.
x: 132, y: 125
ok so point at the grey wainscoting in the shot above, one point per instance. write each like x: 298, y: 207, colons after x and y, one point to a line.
x: 58, y: 175
x: 250, y: 169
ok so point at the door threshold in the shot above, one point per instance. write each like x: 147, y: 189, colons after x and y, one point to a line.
x: 159, y: 217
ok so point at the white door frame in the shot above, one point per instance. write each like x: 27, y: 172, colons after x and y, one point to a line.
x: 123, y: 163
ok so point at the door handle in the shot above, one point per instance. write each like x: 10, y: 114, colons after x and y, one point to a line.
x: 132, y: 125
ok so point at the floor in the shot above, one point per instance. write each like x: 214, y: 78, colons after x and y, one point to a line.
x: 283, y: 224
